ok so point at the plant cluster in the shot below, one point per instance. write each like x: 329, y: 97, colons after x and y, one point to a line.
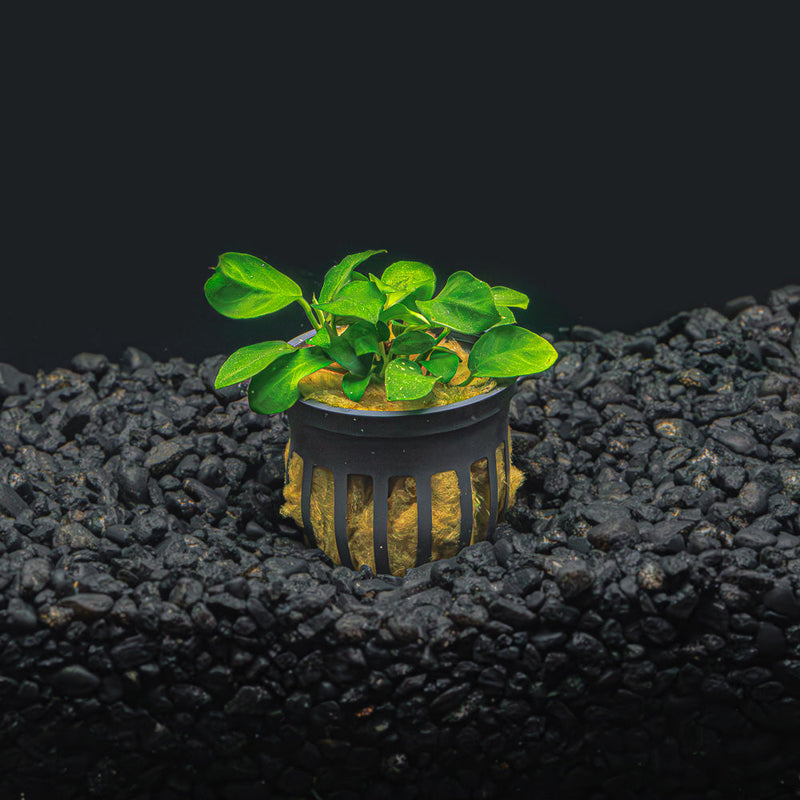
x: 393, y: 326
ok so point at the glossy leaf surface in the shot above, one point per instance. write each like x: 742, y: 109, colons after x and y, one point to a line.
x: 405, y: 381
x: 504, y: 296
x: 337, y: 277
x: 363, y: 337
x: 384, y: 287
x: 465, y: 304
x: 320, y: 338
x: 404, y: 313
x: 243, y: 287
x: 275, y: 389
x: 354, y: 386
x: 362, y: 300
x: 508, y: 352
x: 411, y: 343
x: 247, y: 361
x: 409, y: 278
x: 442, y: 362
x: 341, y: 351
x: 506, y: 316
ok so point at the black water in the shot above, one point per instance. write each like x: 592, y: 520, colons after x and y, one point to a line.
x: 617, y: 175
x: 129, y: 279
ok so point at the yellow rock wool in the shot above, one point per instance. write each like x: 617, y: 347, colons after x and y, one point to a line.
x: 402, y: 510
x: 325, y: 386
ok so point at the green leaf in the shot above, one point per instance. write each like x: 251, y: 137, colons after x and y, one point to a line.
x: 341, y: 351
x: 409, y: 277
x: 363, y: 337
x: 338, y: 276
x: 510, y: 351
x: 362, y: 300
x: 320, y: 338
x: 402, y: 312
x: 384, y: 287
x: 411, y: 343
x: 506, y: 317
x: 405, y: 381
x: 509, y: 297
x: 244, y: 286
x: 354, y: 386
x: 275, y: 389
x: 443, y: 363
x: 465, y: 304
x: 247, y: 361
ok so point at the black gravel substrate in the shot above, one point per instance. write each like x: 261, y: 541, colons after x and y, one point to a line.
x: 633, y: 631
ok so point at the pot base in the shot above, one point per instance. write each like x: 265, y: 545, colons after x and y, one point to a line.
x: 413, y: 444
x: 403, y: 511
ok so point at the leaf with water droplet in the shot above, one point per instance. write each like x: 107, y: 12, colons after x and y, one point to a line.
x: 247, y: 361
x: 243, y: 287
x: 275, y: 388
x: 360, y: 300
x: 412, y: 343
x: 465, y: 304
x: 337, y: 277
x: 510, y: 351
x: 354, y: 386
x: 443, y: 363
x: 405, y: 381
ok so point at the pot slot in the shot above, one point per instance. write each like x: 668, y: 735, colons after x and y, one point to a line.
x: 359, y: 515
x: 481, y: 489
x: 489, y: 490
x: 452, y: 502
x: 393, y: 522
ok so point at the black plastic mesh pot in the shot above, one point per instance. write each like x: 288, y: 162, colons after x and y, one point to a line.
x: 384, y: 444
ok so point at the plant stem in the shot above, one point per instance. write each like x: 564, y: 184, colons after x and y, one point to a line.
x: 384, y: 359
x: 441, y: 336
x: 309, y: 313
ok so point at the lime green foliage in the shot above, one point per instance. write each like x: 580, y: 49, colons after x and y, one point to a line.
x: 339, y: 276
x: 405, y: 380
x: 247, y: 361
x: 362, y: 300
x: 373, y: 329
x: 243, y: 286
x: 275, y: 389
x: 509, y: 351
x: 465, y: 304
x: 441, y: 362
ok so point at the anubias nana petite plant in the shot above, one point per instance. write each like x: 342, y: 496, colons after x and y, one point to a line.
x: 394, y: 326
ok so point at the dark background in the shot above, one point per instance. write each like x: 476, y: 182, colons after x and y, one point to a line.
x: 618, y: 169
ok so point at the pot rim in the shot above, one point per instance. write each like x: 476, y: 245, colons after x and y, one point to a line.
x: 368, y: 412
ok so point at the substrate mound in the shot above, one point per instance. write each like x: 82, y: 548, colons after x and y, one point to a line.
x: 632, y: 630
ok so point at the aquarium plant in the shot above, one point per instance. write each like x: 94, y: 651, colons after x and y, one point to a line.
x: 371, y: 329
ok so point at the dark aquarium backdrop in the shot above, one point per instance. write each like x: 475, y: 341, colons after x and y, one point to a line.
x: 121, y: 263
x: 618, y: 174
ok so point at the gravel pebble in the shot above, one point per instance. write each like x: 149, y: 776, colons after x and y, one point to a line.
x: 11, y: 504
x: 635, y: 622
